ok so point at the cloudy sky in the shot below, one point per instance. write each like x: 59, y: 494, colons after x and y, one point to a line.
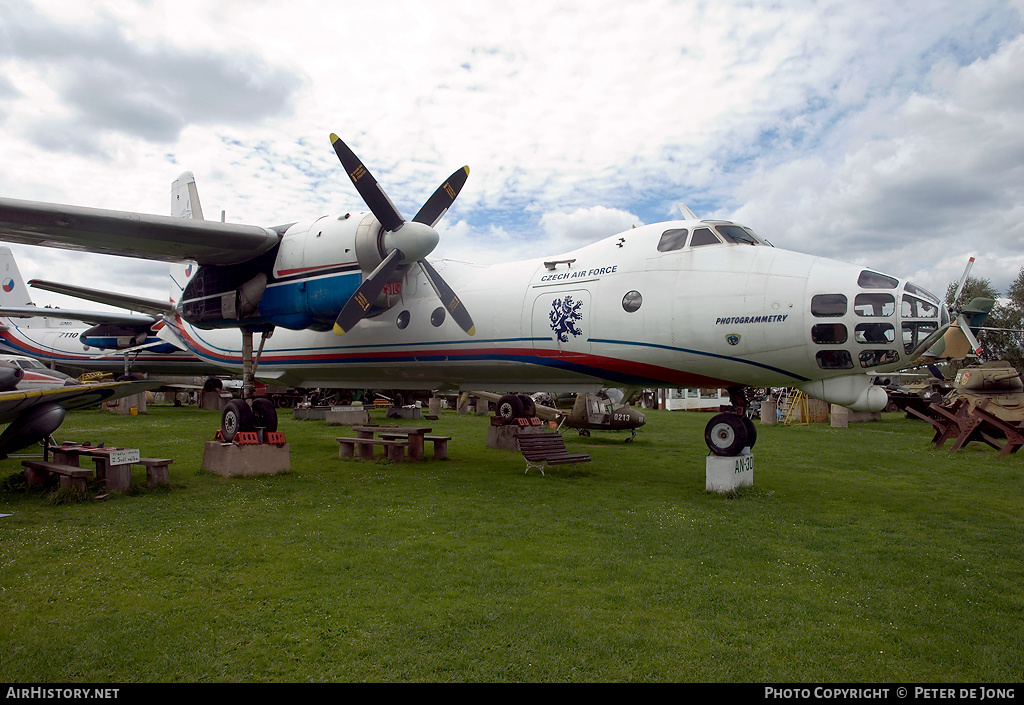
x: 885, y: 133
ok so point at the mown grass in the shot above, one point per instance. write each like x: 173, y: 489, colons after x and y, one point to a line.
x: 860, y: 554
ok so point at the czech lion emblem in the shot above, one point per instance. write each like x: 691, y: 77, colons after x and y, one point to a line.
x: 564, y: 315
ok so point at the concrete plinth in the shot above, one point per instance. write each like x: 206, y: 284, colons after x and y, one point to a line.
x: 346, y: 416
x: 214, y: 401
x: 841, y: 417
x: 124, y: 404
x: 727, y: 473
x: 403, y: 412
x: 504, y: 437
x: 230, y: 460
x: 769, y: 412
x: 314, y: 413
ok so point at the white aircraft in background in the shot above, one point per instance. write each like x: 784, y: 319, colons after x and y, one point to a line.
x: 352, y: 301
x: 114, y: 342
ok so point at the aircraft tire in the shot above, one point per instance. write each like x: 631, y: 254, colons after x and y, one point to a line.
x: 237, y: 416
x: 726, y: 434
x: 529, y: 406
x: 264, y: 414
x: 751, y: 431
x: 510, y: 407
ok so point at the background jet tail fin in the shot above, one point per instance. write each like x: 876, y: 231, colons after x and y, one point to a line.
x: 13, y: 291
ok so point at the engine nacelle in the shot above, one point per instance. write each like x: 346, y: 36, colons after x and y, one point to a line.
x: 856, y: 392
x: 106, y: 336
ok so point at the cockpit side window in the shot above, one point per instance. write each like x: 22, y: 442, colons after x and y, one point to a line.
x: 874, y: 280
x: 703, y: 236
x: 673, y: 240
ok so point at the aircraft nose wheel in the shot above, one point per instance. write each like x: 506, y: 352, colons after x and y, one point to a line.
x: 728, y: 434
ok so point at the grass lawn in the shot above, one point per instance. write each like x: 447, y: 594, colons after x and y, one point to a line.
x: 859, y: 555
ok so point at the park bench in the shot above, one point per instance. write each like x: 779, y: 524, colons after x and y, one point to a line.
x: 394, y: 450
x: 36, y: 472
x: 157, y: 470
x: 547, y: 448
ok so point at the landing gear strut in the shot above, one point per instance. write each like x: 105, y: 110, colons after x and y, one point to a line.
x: 248, y: 414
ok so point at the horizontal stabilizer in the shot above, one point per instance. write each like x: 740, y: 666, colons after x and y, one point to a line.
x: 110, y: 298
x: 113, y: 318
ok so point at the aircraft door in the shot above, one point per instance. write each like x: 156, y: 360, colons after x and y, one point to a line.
x: 562, y: 320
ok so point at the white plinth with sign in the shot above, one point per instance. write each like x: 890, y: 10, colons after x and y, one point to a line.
x: 727, y: 473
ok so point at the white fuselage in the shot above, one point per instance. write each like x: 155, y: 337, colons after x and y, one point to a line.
x: 618, y: 312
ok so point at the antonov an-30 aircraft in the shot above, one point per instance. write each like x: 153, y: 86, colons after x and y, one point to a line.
x: 352, y: 301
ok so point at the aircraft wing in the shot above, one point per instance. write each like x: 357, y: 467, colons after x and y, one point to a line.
x: 112, y: 317
x: 13, y: 403
x: 111, y: 298
x: 154, y: 237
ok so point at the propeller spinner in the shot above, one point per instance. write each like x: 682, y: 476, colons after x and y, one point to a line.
x: 406, y: 242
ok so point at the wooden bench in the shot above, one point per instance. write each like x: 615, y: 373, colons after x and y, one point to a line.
x: 157, y: 470
x: 394, y: 450
x: 36, y: 472
x: 549, y: 448
x: 440, y: 442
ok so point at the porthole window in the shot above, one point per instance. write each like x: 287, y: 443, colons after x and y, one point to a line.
x: 403, y: 320
x: 874, y: 305
x: 869, y: 333
x: 828, y: 333
x: 828, y: 305
x: 875, y: 358
x: 437, y: 317
x: 631, y: 301
x: 834, y: 360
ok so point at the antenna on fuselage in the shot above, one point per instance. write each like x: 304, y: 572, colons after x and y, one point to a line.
x: 690, y: 215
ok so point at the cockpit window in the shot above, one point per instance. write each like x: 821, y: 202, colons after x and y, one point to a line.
x: 874, y: 280
x: 737, y: 234
x: 673, y: 240
x: 923, y: 293
x: 828, y: 305
x: 873, y: 305
x: 703, y: 236
x: 31, y: 364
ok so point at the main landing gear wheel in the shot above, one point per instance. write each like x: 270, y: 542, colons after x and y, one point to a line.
x: 237, y: 417
x: 510, y: 407
x: 729, y: 434
x: 264, y: 414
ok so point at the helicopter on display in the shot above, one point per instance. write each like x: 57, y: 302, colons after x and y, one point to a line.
x: 590, y: 412
x: 352, y: 301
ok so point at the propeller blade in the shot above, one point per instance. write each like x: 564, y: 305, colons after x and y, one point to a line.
x: 373, y: 195
x: 448, y: 297
x: 359, y: 303
x: 441, y: 200
x: 961, y: 321
x: 963, y: 280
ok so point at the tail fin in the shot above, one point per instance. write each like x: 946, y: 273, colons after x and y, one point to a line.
x: 13, y: 291
x: 185, y: 197
x: 184, y: 204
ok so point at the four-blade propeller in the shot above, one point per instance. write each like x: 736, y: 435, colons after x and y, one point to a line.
x: 404, y: 242
x: 960, y: 318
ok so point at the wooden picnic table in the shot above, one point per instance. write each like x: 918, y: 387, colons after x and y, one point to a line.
x: 414, y: 434
x: 113, y: 464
